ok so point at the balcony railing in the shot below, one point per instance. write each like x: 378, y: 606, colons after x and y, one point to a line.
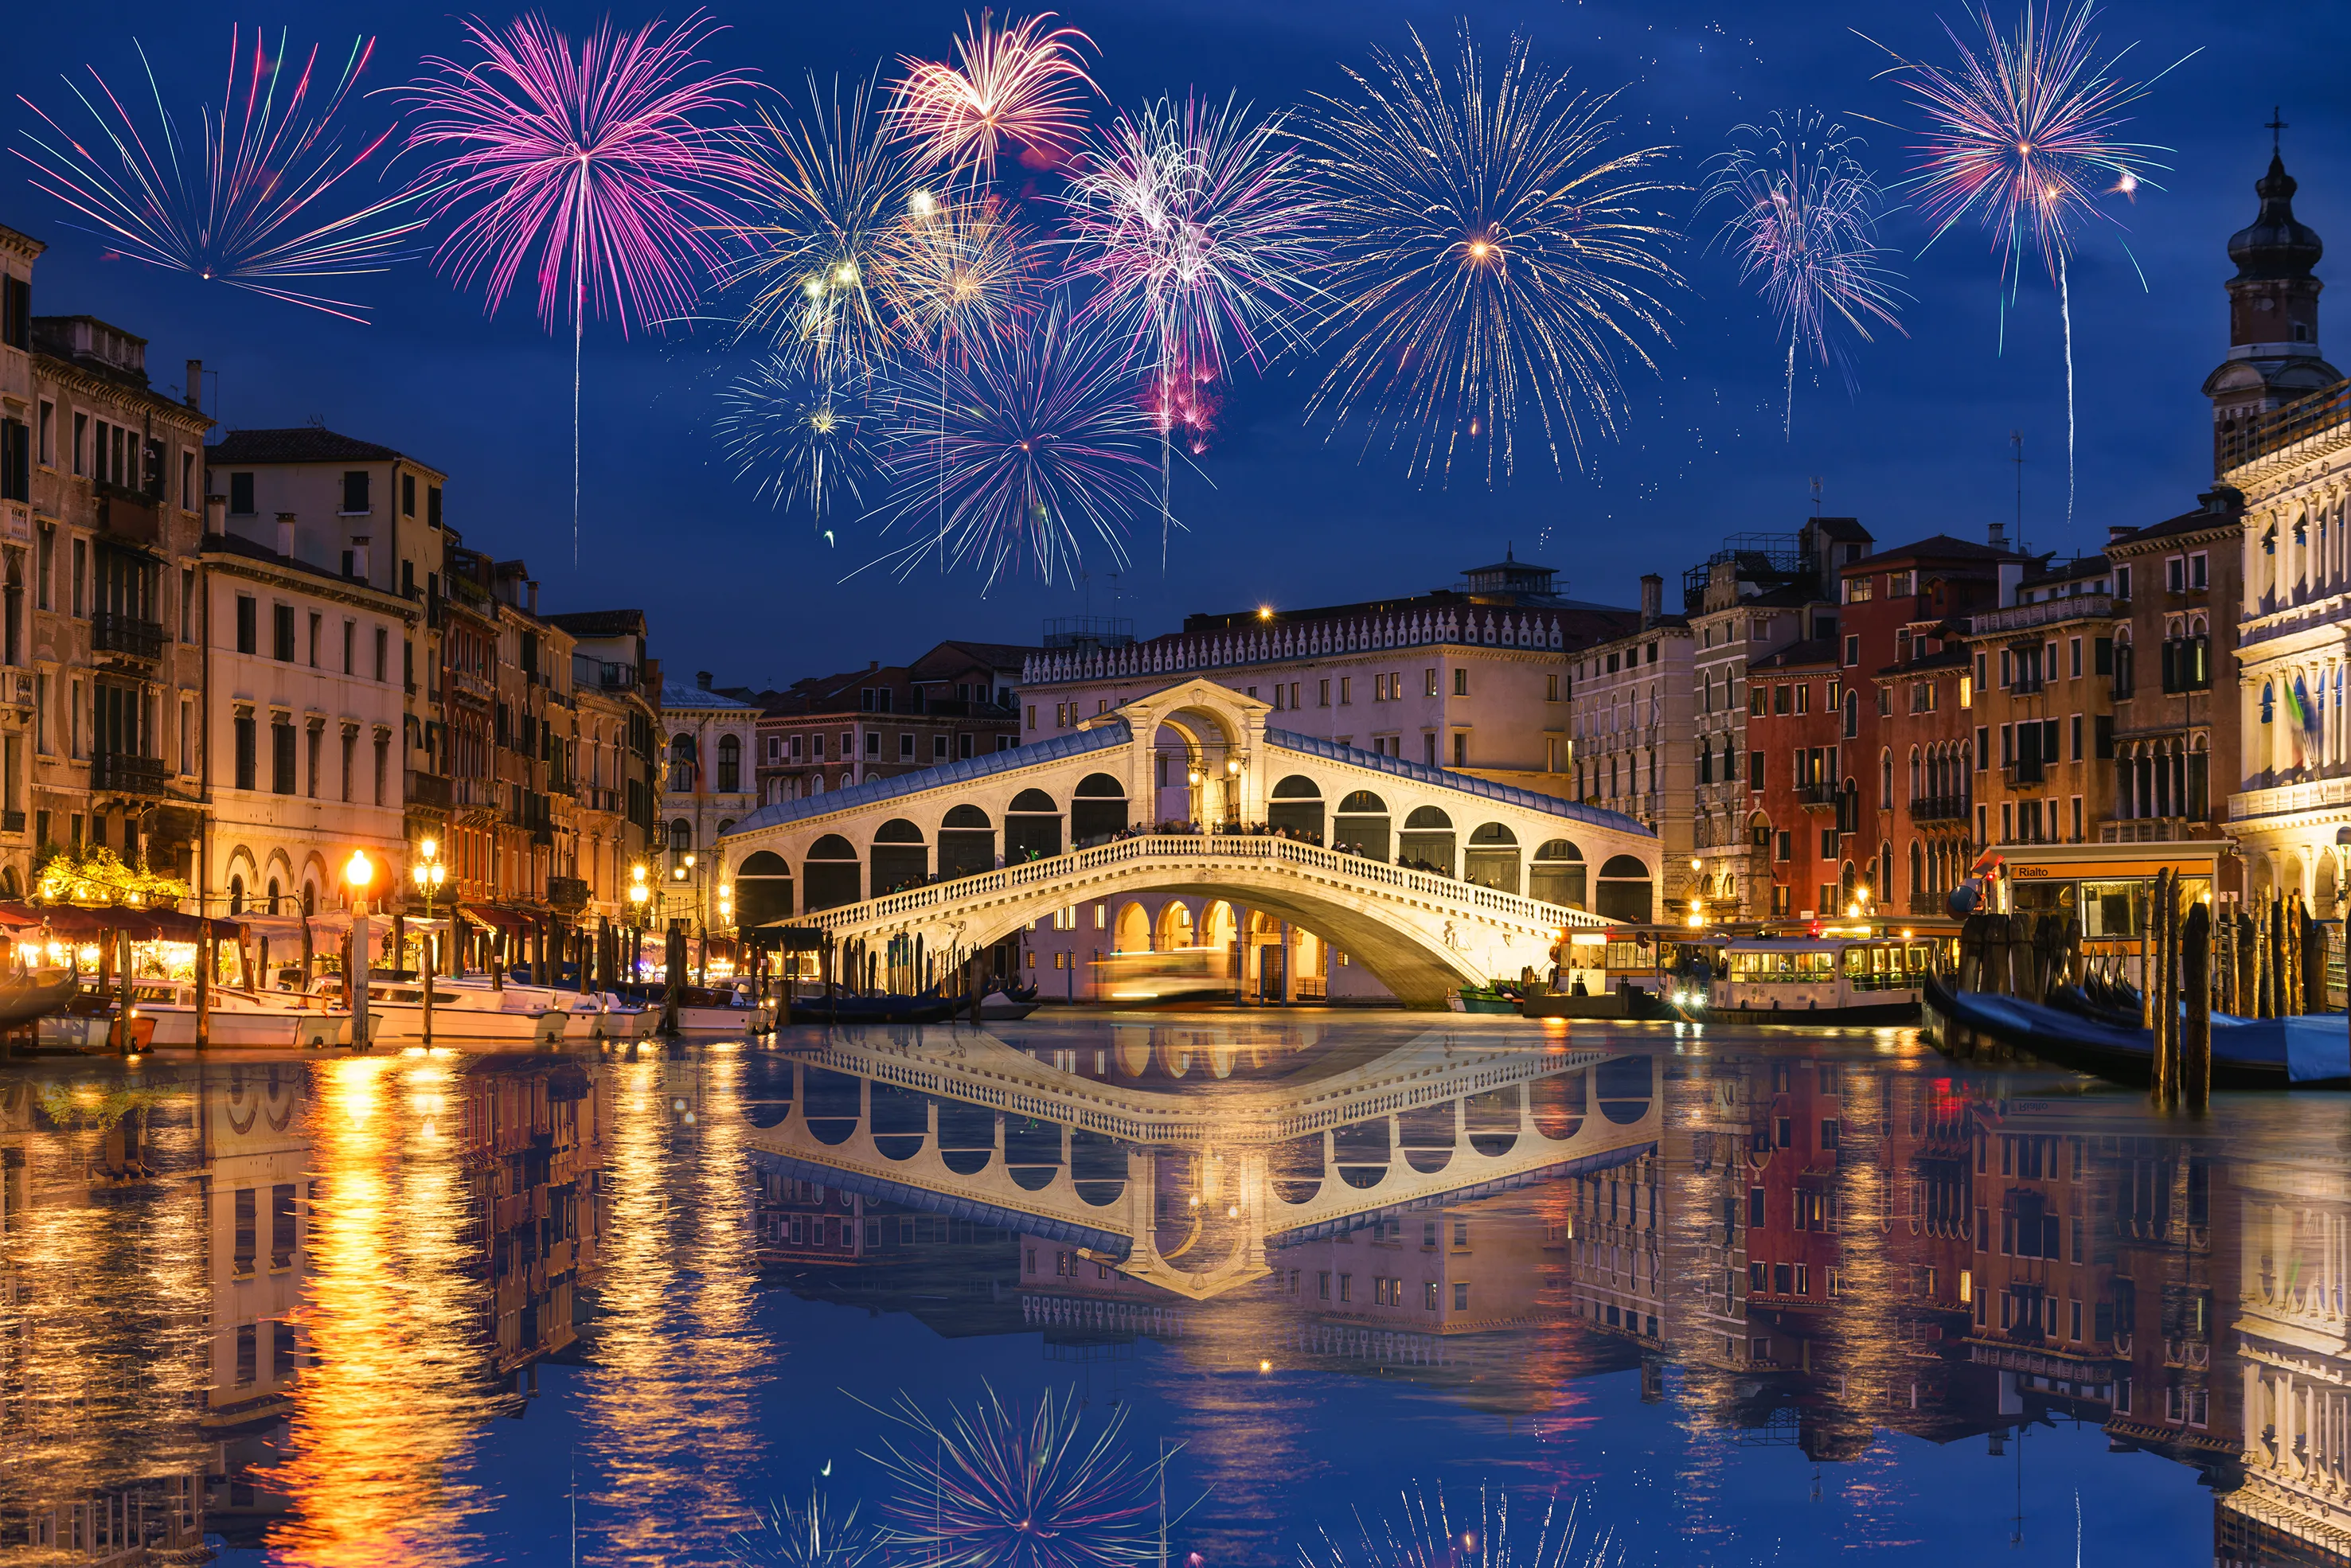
x: 122, y: 774
x: 2284, y: 797
x: 2328, y: 409
x: 567, y: 892
x: 112, y: 632
x: 2024, y: 772
x: 1939, y: 809
x: 2018, y: 617
x: 430, y: 791
x: 1820, y: 797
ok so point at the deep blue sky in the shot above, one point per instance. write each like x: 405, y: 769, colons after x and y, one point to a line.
x: 730, y: 586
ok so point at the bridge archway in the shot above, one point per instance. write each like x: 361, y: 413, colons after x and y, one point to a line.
x: 829, y: 875
x: 1174, y: 927
x: 1032, y: 826
x: 1296, y: 808
x: 763, y: 888
x: 1194, y: 747
x: 1427, y: 841
x: 1626, y: 892
x: 966, y: 842
x: 1492, y: 857
x: 1361, y: 825
x: 1097, y: 809
x: 1131, y: 931
x: 1556, y: 874
x: 900, y: 858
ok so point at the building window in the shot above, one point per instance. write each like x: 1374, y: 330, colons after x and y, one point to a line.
x: 240, y: 495
x: 1460, y: 682
x: 282, y: 633
x: 281, y: 756
x: 355, y: 492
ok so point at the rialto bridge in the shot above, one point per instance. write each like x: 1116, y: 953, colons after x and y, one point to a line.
x: 1181, y: 1152
x: 1429, y: 878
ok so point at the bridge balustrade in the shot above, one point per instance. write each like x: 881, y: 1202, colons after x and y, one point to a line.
x: 1191, y: 846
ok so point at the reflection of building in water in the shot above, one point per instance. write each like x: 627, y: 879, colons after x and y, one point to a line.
x: 101, y: 1323
x: 253, y: 1121
x: 534, y: 1133
x: 2293, y: 1341
x: 2094, y: 1246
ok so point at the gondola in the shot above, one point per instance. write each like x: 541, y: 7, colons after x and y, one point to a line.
x: 2308, y: 1052
x: 885, y: 1008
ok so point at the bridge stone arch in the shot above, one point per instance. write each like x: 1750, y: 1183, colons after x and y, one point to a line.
x: 1422, y: 932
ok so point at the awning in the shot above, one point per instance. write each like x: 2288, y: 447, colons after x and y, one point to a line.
x: 489, y: 917
x: 80, y: 919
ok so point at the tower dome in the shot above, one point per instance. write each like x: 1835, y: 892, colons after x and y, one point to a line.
x: 2275, y: 246
x: 2274, y: 355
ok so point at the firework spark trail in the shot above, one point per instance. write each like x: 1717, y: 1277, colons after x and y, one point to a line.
x: 597, y: 160
x: 959, y: 269
x: 1424, y: 1532
x: 249, y: 206
x: 1195, y: 229
x: 792, y: 1535
x: 1495, y: 256
x: 2024, y: 136
x: 1033, y: 438
x: 1017, y: 86
x: 834, y: 198
x: 986, y: 1489
x: 802, y: 441
x: 1803, y: 223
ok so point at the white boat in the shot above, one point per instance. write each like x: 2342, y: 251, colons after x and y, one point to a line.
x: 396, y: 1012
x: 1833, y: 978
x: 583, y: 1011
x: 284, y: 1019
x: 625, y: 1020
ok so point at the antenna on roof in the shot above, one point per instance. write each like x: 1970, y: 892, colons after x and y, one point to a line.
x: 2016, y: 456
x: 1817, y: 494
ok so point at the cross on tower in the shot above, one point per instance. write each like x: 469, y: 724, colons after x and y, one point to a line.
x: 2277, y: 124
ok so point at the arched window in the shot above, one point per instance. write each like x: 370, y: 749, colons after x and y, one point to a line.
x: 1918, y: 869
x: 1624, y: 890
x: 1915, y: 776
x: 1097, y: 808
x: 1296, y: 808
x: 1032, y: 826
x: 1884, y: 777
x: 236, y: 895
x: 2268, y: 701
x: 1557, y: 874
x: 681, y: 764
x: 681, y: 837
x: 272, y: 907
x: 730, y: 763
x: 1852, y: 714
x: 829, y: 876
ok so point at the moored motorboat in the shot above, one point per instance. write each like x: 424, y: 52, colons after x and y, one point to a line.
x: 241, y: 1019
x: 1813, y: 981
x: 2311, y: 1051
x: 705, y: 1010
x: 396, y: 1008
x: 882, y: 1008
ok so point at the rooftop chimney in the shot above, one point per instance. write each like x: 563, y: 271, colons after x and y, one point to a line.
x: 285, y: 535
x: 1653, y: 599
x: 196, y: 386
x: 702, y: 679
x: 2117, y: 530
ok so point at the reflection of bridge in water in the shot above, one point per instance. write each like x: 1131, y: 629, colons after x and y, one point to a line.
x: 1183, y: 1152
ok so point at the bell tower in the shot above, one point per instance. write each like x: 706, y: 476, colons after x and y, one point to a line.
x: 2273, y: 354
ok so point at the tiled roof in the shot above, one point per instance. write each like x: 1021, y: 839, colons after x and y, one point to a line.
x: 1421, y: 773
x: 998, y: 655
x: 2195, y: 522
x: 600, y: 622
x: 1812, y: 651
x: 677, y: 696
x: 304, y: 444
x: 1103, y: 737
x: 1941, y: 546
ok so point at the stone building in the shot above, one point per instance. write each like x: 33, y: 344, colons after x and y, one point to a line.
x: 831, y: 732
x: 100, y: 519
x: 303, y: 724
x: 2289, y: 457
x: 2177, y: 587
x: 612, y: 766
x: 2043, y: 707
x: 1755, y: 595
x: 1632, y: 721
x: 707, y: 786
x: 1472, y: 678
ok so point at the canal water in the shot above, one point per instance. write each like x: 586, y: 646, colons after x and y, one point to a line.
x: 1291, y: 1289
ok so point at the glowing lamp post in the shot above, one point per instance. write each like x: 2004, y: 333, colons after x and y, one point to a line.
x: 428, y: 872
x: 357, y: 873
x: 638, y: 893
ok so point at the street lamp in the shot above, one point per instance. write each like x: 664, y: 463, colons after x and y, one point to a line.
x: 357, y: 873
x: 428, y: 872
x: 638, y: 893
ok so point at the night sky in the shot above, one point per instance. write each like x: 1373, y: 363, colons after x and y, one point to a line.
x: 1281, y: 517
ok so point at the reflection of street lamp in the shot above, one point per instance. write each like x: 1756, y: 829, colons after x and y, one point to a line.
x: 357, y: 874
x: 428, y: 872
x: 1698, y: 895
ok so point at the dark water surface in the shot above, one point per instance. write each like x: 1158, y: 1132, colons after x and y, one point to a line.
x: 1746, y: 1297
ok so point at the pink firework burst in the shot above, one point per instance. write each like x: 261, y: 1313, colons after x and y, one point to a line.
x: 255, y: 205
x: 601, y: 161
x: 1019, y: 86
x: 2023, y: 136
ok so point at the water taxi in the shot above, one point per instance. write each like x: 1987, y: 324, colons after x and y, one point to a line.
x: 1822, y: 980
x: 396, y: 1011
